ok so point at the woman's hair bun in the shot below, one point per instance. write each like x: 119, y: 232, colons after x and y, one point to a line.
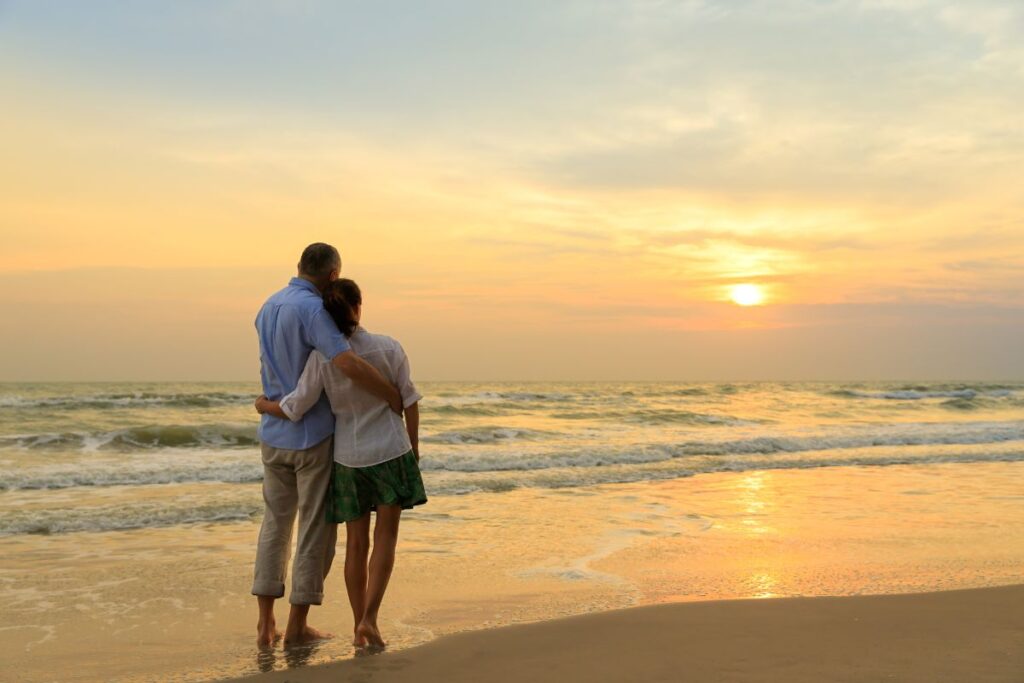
x: 340, y: 299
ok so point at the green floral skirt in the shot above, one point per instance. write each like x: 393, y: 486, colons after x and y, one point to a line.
x: 355, y: 491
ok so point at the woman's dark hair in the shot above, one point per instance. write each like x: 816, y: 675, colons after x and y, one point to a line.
x: 340, y: 297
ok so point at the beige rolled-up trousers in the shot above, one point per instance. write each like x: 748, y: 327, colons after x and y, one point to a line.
x: 295, y: 482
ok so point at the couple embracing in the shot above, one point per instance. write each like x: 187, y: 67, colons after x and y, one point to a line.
x: 335, y: 447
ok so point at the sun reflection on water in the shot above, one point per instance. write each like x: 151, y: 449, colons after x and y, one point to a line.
x: 762, y: 585
x: 756, y: 499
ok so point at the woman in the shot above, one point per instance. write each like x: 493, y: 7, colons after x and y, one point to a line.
x: 376, y: 454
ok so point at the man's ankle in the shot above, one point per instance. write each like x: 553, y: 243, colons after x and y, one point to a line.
x: 295, y: 627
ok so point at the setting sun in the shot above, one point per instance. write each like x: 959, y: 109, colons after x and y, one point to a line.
x: 747, y: 295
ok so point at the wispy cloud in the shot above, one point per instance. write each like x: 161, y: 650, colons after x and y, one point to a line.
x: 571, y: 167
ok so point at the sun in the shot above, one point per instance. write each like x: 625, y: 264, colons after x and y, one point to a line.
x: 747, y: 294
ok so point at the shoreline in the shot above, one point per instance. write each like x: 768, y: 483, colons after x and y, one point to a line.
x: 974, y: 634
x: 468, y: 565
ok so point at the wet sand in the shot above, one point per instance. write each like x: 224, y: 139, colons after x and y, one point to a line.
x: 173, y: 603
x: 956, y: 636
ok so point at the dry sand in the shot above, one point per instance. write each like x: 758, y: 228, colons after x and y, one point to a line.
x: 963, y: 636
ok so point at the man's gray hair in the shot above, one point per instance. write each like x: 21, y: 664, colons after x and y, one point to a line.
x: 319, y: 259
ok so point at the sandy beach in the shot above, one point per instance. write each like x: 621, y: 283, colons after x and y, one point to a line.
x: 974, y: 636
x: 666, y: 572
x: 128, y: 517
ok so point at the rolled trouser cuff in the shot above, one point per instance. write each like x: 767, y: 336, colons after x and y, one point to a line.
x: 268, y: 589
x: 306, y: 598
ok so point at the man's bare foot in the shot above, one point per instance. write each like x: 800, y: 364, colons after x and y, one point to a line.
x: 307, y: 634
x: 371, y: 634
x: 267, y: 634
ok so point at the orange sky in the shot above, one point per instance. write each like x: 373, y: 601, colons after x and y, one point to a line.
x: 530, y: 193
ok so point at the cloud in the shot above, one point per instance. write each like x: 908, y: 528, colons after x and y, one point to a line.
x: 532, y: 167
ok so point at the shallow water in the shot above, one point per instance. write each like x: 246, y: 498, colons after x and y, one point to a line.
x: 128, y: 513
x: 78, y: 457
x: 171, y: 603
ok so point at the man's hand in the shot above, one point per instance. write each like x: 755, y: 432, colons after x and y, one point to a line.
x: 395, y: 399
x: 261, y: 404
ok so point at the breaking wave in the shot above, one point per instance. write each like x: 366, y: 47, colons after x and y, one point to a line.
x: 140, y: 438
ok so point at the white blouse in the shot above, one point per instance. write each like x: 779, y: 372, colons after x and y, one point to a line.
x: 366, y: 430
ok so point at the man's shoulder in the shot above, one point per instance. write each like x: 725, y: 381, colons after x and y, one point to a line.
x: 267, y: 313
x: 275, y: 300
x: 297, y: 298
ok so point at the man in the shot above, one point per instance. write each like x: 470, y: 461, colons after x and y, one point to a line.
x: 297, y: 456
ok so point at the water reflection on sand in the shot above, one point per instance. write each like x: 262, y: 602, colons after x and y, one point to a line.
x: 173, y: 603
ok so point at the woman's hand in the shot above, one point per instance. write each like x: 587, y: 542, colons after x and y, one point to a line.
x: 260, y: 404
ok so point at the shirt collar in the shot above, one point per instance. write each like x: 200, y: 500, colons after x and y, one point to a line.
x: 305, y: 284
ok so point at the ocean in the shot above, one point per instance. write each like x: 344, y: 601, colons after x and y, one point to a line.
x: 129, y: 511
x: 94, y: 457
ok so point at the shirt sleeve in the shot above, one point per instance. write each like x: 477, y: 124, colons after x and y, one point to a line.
x: 307, y: 391
x: 403, y: 378
x: 325, y: 336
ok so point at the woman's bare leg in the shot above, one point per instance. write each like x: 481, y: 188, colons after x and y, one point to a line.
x: 382, y: 561
x: 357, y: 547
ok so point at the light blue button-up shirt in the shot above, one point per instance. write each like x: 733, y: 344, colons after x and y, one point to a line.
x: 290, y: 325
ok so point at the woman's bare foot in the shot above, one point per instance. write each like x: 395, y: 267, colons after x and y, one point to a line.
x: 306, y: 634
x: 357, y: 639
x: 267, y: 634
x: 371, y: 634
